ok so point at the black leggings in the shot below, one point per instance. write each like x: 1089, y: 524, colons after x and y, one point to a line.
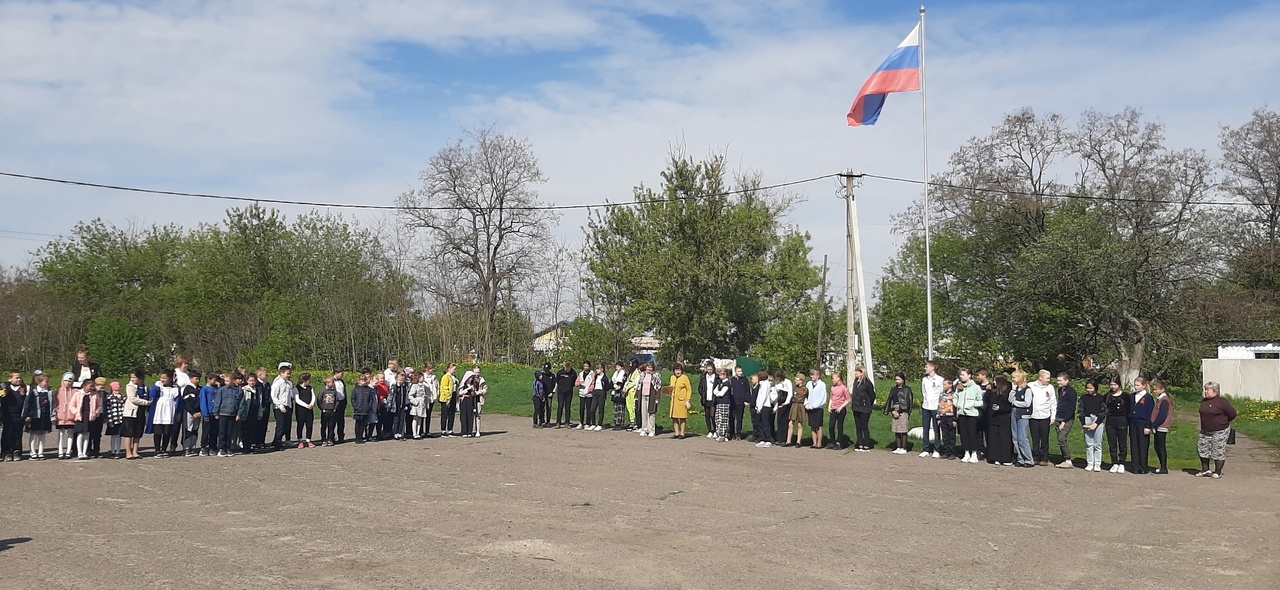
x: 1139, y: 448
x: 1039, y: 439
x: 709, y: 417
x: 586, y: 411
x: 165, y: 437
x: 1162, y: 450
x: 564, y: 408
x: 862, y: 429
x: 598, y: 400
x: 835, y: 430
x: 447, y: 411
x: 969, y: 434
x: 305, y: 420
x: 1117, y: 436
x: 328, y: 424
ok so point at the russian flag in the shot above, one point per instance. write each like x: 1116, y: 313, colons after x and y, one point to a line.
x: 899, y: 73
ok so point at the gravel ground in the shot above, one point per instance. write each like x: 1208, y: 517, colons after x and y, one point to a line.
x: 524, y: 508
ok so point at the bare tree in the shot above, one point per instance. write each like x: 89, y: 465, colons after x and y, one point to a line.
x: 478, y: 206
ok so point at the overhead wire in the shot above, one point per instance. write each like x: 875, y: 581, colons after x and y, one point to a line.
x: 1031, y: 194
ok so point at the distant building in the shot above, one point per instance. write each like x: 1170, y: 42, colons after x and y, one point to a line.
x: 551, y: 338
x: 1246, y: 368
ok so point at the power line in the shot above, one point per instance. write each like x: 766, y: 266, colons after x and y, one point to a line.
x: 1047, y: 195
x: 394, y: 207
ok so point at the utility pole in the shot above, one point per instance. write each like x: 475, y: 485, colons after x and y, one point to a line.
x: 854, y: 251
x: 822, y: 311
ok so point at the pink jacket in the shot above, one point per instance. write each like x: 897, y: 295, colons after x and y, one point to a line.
x: 77, y: 398
x: 67, y: 413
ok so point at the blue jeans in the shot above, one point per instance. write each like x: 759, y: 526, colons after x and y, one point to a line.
x: 1093, y: 446
x: 929, y: 424
x: 1021, y: 442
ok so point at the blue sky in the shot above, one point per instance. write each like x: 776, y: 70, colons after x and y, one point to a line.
x: 344, y: 102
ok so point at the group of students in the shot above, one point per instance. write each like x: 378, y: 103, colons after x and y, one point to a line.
x: 1005, y: 420
x: 220, y: 414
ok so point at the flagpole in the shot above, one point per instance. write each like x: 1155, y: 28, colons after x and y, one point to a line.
x: 928, y: 263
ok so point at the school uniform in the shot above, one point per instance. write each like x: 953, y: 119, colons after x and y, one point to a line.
x: 232, y: 409
x: 340, y: 387
x: 1043, y: 410
x: 706, y: 393
x: 766, y: 398
x: 12, y: 400
x: 364, y: 407
x: 722, y: 401
x: 304, y: 414
x: 600, y: 396
x: 1065, y: 418
x: 1160, y: 424
x: 37, y: 412
x: 1118, y: 426
x: 999, y: 413
x: 862, y: 394
x: 548, y: 400
x: 784, y: 392
x: 586, y: 403
x: 740, y: 400
x: 165, y: 408
x: 1140, y: 413
x: 191, y: 424
x: 282, y: 394
x: 397, y: 399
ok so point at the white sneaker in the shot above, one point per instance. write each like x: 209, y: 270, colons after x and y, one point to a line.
x: 760, y: 445
x: 924, y: 454
x: 579, y: 427
x: 899, y: 451
x: 936, y: 455
x: 1121, y: 468
x: 1115, y: 468
x: 767, y: 444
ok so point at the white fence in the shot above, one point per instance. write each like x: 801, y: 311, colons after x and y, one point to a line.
x: 1251, y: 378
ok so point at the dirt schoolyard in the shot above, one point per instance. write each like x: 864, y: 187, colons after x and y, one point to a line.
x: 525, y: 508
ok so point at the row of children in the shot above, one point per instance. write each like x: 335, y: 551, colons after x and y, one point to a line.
x: 230, y: 412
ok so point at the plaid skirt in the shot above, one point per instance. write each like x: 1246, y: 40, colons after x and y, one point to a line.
x: 619, y: 414
x: 1213, y: 445
x: 722, y: 420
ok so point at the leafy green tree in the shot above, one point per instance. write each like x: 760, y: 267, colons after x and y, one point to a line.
x: 118, y: 345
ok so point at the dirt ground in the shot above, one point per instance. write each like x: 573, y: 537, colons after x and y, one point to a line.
x: 524, y: 508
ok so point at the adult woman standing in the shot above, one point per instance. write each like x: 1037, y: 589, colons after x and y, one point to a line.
x: 1118, y: 405
x: 681, y: 394
x: 1216, y: 414
x: 84, y: 371
x: 863, y: 393
x: 999, y: 422
x: 839, y: 409
x: 898, y: 404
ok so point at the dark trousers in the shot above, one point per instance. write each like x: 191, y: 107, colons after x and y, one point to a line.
x: 564, y: 408
x: 1039, y: 439
x: 282, y: 425
x: 341, y: 420
x: 764, y: 425
x: 165, y: 437
x: 95, y: 436
x: 398, y: 422
x: 227, y: 430
x: 364, y: 428
x: 1117, y: 436
x: 211, y: 433
x: 928, y: 428
x: 736, y: 413
x: 1140, y: 448
x: 426, y: 422
x: 999, y: 440
x: 835, y: 428
x: 328, y: 426
x: 305, y: 420
x: 861, y: 429
x: 384, y: 423
x: 709, y: 417
x: 190, y: 436
x: 781, y: 416
x: 639, y: 411
x: 969, y: 434
x: 447, y: 411
x: 598, y: 402
x: 539, y: 411
x: 1162, y: 449
x: 586, y: 411
x: 467, y: 406
x: 947, y: 435
x: 11, y: 436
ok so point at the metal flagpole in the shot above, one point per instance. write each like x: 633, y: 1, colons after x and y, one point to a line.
x: 928, y: 263
x: 850, y: 359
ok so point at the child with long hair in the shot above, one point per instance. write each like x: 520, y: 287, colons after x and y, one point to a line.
x: 37, y: 414
x: 898, y: 405
x: 113, y: 407
x: 797, y: 416
x: 1160, y: 424
x: 66, y: 416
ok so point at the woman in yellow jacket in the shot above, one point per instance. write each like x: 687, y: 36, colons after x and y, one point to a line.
x: 448, y: 403
x: 681, y: 393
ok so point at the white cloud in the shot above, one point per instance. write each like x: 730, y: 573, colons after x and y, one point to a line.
x: 255, y: 98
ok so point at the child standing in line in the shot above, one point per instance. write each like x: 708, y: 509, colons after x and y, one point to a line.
x: 190, y: 415
x: 797, y: 415
x: 328, y: 413
x: 619, y: 397
x: 1160, y: 425
x: 66, y: 417
x: 947, y: 421
x: 88, y: 404
x: 765, y: 399
x: 723, y: 405
x: 1140, y: 413
x: 37, y: 414
x: 304, y: 411
x: 12, y: 399
x: 898, y: 405
x: 209, y: 414
x: 448, y: 402
x: 364, y: 407
x: 231, y: 412
x: 417, y: 403
x: 135, y: 413
x: 396, y: 400
x: 114, y: 409
x: 165, y: 411
x: 433, y: 393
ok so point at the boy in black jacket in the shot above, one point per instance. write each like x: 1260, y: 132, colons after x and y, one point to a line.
x: 565, y: 381
x: 329, y: 416
x: 364, y: 407
x: 191, y: 418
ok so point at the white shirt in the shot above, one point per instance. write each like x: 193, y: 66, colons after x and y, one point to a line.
x: 166, y: 404
x: 817, y: 395
x: 282, y: 393
x: 390, y: 376
x: 782, y: 392
x: 1043, y: 401
x: 180, y: 378
x: 930, y: 391
x: 764, y: 395
x: 340, y: 387
x: 619, y: 377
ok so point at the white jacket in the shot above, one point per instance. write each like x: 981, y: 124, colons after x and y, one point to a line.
x: 766, y: 395
x: 1044, y: 403
x: 930, y: 392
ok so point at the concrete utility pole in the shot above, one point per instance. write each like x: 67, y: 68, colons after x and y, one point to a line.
x: 854, y: 251
x: 822, y: 311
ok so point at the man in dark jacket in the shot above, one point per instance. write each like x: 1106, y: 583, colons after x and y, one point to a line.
x: 565, y: 381
x: 740, y: 391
